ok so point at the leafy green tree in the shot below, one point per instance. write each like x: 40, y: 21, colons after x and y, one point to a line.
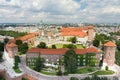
x: 42, y: 45
x: 70, y: 61
x: 23, y: 48
x: 39, y: 64
x: 117, y: 58
x: 2, y: 78
x: 96, y: 42
x: 118, y: 44
x: 14, y: 34
x: 18, y: 42
x: 74, y: 40
x: 74, y: 78
x: 1, y: 46
x: 54, y: 46
x: 1, y: 54
x: 6, y: 40
x: 71, y: 46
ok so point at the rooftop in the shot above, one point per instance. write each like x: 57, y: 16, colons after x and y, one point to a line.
x: 110, y: 43
x: 62, y: 50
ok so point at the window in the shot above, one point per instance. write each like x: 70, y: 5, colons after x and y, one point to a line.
x: 57, y: 59
x: 46, y: 59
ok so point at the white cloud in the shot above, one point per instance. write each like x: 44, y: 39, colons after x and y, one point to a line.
x: 60, y: 10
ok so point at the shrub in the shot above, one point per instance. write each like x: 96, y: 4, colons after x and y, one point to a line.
x: 65, y: 73
x: 106, y: 68
x: 74, y: 78
x: 59, y: 73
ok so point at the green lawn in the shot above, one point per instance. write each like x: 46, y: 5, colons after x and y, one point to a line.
x: 86, y: 70
x: 79, y: 46
x: 103, y: 72
x: 48, y: 72
x: 17, y: 70
x: 61, y: 46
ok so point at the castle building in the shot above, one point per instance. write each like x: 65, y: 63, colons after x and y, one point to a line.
x: 109, y: 55
x: 12, y: 49
x: 52, y: 56
x: 83, y: 34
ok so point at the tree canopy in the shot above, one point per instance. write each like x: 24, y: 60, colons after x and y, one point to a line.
x: 6, y: 40
x: 70, y: 61
x: 39, y: 64
x: 1, y: 46
x: 42, y: 45
x: 18, y: 42
x: 23, y: 48
x: 14, y: 34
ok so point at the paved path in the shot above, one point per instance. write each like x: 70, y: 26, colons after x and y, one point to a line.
x: 40, y: 76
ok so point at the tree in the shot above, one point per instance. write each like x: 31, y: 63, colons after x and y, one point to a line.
x: 23, y: 48
x: 42, y: 45
x: 1, y: 46
x: 1, y: 54
x: 18, y: 42
x: 70, y: 61
x: 96, y: 43
x: 54, y: 46
x: 71, y: 46
x: 73, y: 39
x: 39, y: 64
x: 74, y: 78
x: 118, y: 44
x: 6, y: 40
x: 117, y: 58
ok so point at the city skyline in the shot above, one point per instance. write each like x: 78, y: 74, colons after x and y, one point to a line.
x: 59, y: 11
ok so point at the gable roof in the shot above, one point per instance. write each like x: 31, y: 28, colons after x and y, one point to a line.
x: 11, y: 44
x: 110, y: 43
x: 62, y: 51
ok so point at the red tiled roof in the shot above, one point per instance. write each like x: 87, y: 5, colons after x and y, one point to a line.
x: 62, y: 51
x: 92, y: 50
x: 11, y: 44
x: 26, y: 37
x: 74, y: 31
x: 32, y: 50
x: 110, y: 43
x: 90, y: 27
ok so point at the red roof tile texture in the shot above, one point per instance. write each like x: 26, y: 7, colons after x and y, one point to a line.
x: 26, y: 37
x: 110, y: 43
x: 11, y: 44
x: 74, y: 31
x: 62, y: 51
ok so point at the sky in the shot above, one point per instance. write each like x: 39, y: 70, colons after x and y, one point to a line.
x: 60, y: 11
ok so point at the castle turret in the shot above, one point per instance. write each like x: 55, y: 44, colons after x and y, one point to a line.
x: 91, y: 33
x: 109, y: 54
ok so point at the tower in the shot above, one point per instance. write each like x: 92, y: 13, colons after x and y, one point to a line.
x: 91, y: 33
x: 109, y: 54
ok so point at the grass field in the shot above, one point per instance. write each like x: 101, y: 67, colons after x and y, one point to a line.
x: 103, y: 72
x: 78, y: 46
x: 86, y: 70
x: 48, y: 72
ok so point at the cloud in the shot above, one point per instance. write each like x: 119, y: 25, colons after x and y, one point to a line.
x: 60, y: 11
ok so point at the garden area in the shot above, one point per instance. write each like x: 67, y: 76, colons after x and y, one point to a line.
x: 86, y: 70
x: 103, y: 72
x: 78, y: 46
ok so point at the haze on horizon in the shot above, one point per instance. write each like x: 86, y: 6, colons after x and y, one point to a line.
x: 60, y: 11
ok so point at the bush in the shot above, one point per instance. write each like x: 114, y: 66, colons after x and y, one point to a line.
x: 65, y: 73
x: 24, y: 78
x: 59, y: 73
x: 106, y: 68
x: 74, y: 78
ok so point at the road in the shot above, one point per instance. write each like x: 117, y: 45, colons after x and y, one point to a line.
x: 40, y: 76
